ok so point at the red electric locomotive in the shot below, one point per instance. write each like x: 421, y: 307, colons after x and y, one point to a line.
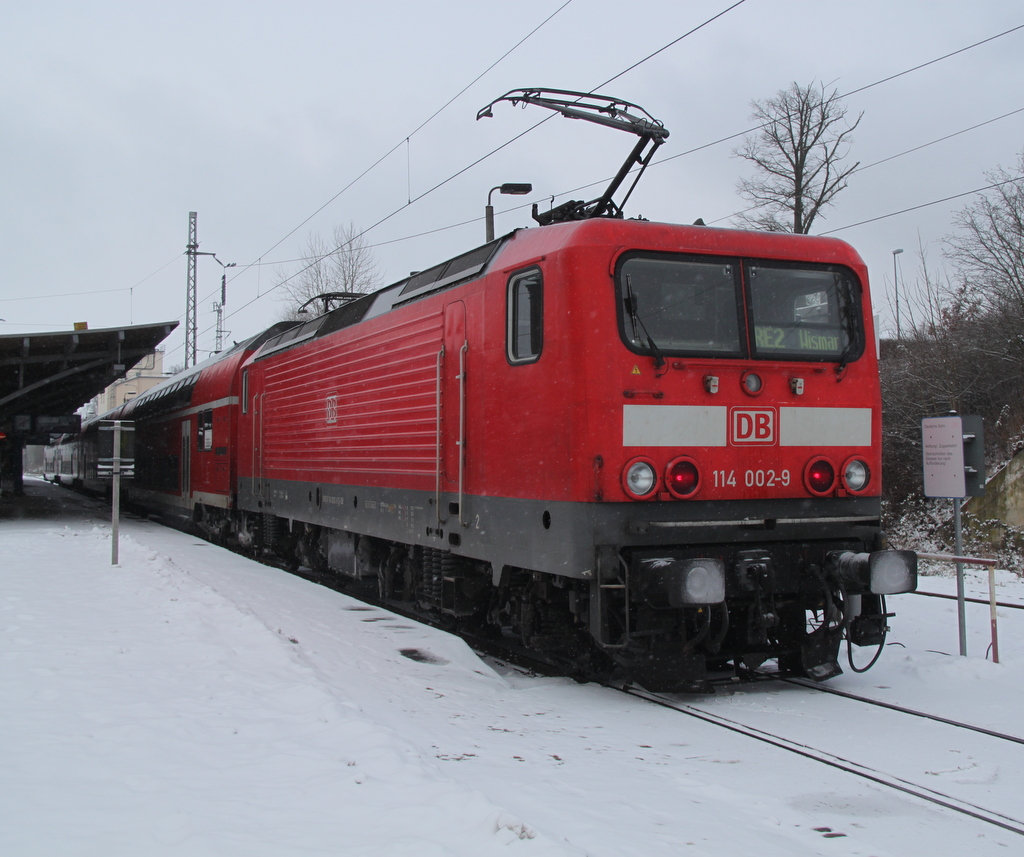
x: 624, y: 442
x: 657, y: 442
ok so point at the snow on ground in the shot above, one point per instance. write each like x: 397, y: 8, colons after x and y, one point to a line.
x: 191, y: 702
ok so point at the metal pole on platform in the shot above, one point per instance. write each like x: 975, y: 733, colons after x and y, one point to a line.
x: 992, y: 612
x: 115, y: 494
x: 961, y: 613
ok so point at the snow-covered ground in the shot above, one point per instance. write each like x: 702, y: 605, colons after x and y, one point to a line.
x: 190, y: 702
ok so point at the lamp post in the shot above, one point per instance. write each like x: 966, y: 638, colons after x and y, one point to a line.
x: 896, y: 284
x: 512, y: 188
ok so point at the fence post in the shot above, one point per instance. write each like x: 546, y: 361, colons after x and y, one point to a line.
x: 960, y: 561
x: 992, y: 612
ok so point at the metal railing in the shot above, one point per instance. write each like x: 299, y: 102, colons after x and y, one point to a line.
x: 961, y: 561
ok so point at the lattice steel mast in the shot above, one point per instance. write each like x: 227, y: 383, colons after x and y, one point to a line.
x: 191, y: 297
x: 191, y: 323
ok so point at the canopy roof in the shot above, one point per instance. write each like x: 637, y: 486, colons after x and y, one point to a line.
x: 53, y: 374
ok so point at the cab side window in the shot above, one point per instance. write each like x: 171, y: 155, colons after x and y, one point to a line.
x: 525, y: 337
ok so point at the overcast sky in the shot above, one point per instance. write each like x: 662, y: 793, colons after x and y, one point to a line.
x: 120, y: 118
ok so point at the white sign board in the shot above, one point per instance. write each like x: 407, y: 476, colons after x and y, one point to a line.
x: 942, y: 444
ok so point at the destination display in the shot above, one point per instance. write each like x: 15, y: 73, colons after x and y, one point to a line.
x: 768, y: 338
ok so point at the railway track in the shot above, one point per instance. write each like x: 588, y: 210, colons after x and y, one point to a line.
x: 833, y: 760
x: 970, y: 727
x: 495, y: 650
x: 866, y: 771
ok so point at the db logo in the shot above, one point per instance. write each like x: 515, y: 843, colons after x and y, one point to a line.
x: 753, y: 426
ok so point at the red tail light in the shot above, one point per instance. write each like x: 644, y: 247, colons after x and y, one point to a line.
x: 682, y: 477
x: 820, y: 476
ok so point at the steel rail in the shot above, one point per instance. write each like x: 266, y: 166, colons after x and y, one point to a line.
x: 981, y: 730
x: 1008, y: 823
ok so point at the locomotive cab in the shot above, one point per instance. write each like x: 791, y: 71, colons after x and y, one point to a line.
x: 735, y: 415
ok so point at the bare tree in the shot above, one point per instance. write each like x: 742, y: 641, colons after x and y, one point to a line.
x: 964, y: 351
x: 797, y: 153
x: 988, y: 252
x: 346, y: 265
x: 959, y: 355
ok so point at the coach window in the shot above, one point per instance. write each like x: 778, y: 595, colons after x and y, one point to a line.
x: 204, y: 430
x: 525, y: 316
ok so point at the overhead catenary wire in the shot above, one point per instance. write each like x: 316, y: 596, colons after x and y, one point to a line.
x: 884, y: 160
x: 94, y: 291
x: 859, y: 169
x: 563, y: 6
x: 672, y: 157
x: 504, y: 145
x: 461, y: 223
x: 406, y: 140
x: 459, y: 172
x: 723, y: 139
x: 720, y: 140
x: 925, y: 205
x: 889, y: 158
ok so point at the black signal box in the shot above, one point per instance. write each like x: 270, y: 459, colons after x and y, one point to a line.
x: 974, y: 456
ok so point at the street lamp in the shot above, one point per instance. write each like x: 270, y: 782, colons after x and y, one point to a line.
x: 512, y: 188
x: 896, y: 285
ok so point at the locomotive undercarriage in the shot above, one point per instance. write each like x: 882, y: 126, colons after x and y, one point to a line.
x: 791, y: 603
x: 670, y: 619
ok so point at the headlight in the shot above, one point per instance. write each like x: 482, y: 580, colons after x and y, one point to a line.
x: 639, y: 478
x: 856, y: 475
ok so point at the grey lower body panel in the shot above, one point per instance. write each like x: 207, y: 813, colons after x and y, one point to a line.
x: 557, y: 537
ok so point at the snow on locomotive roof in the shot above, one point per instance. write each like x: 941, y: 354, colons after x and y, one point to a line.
x: 186, y: 380
x: 460, y: 269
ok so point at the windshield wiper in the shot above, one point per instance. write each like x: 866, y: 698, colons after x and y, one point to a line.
x: 638, y: 324
x: 850, y: 325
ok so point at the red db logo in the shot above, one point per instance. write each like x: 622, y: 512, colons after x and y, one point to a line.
x: 753, y: 426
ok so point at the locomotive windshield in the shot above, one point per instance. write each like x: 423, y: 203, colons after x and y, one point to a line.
x: 802, y: 314
x: 734, y: 308
x: 681, y: 306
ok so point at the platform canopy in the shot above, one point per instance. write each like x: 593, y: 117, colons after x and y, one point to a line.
x: 46, y: 377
